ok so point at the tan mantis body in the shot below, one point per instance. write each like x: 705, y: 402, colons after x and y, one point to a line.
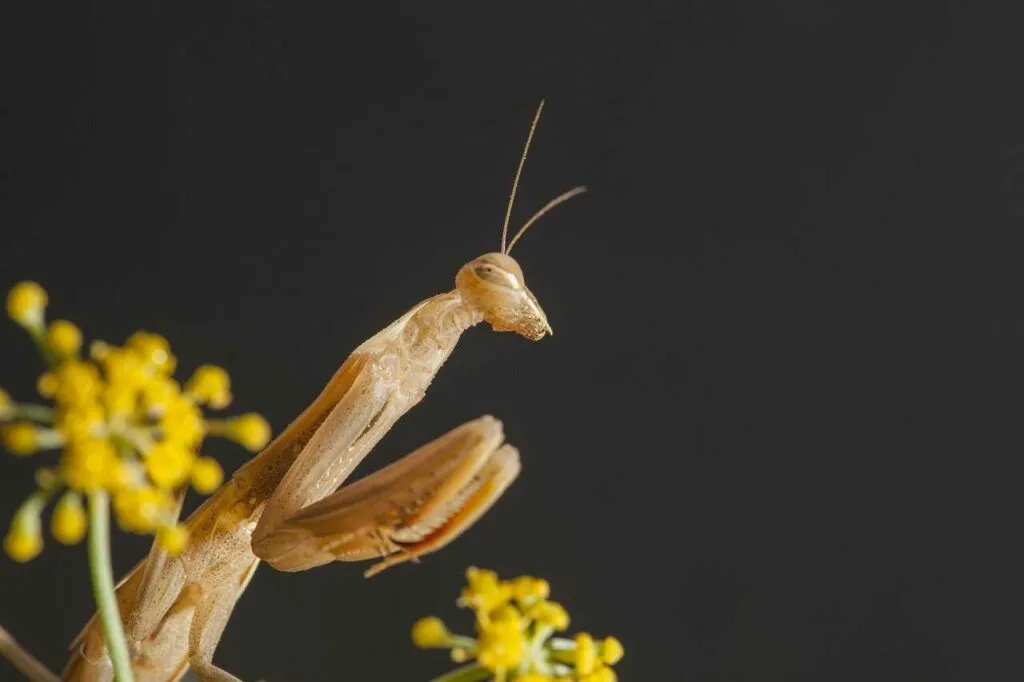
x: 176, y: 609
x: 282, y: 508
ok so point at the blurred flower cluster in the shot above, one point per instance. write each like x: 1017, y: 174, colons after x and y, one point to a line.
x: 123, y: 427
x: 515, y: 622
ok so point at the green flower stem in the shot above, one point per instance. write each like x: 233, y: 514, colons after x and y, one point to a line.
x: 463, y: 642
x: 36, y: 413
x: 39, y: 339
x: 467, y: 673
x: 103, y: 585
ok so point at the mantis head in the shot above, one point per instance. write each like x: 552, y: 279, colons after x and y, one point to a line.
x: 493, y: 284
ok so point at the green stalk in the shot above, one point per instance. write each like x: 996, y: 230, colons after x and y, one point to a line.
x: 36, y: 413
x: 39, y: 339
x: 103, y: 585
x: 467, y: 673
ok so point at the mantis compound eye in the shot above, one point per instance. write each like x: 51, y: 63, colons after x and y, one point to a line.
x: 495, y: 275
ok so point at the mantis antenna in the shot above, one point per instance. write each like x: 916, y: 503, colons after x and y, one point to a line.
x: 561, y: 198
x: 515, y: 184
x: 519, y: 171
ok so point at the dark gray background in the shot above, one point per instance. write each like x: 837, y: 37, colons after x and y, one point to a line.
x: 774, y: 435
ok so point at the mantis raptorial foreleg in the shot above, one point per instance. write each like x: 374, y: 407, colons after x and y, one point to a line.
x: 410, y: 508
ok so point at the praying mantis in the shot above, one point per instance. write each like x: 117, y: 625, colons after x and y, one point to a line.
x: 284, y: 507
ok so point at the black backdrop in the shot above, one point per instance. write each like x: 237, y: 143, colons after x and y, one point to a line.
x: 774, y: 435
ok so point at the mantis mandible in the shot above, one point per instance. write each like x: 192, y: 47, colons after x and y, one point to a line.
x: 285, y: 507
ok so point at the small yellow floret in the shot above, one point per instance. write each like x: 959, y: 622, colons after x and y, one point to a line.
x: 47, y: 384
x: 26, y: 303
x: 250, y: 430
x: 502, y: 641
x: 600, y: 675
x: 484, y: 591
x: 6, y: 405
x: 89, y: 465
x: 549, y: 613
x: 206, y: 475
x: 169, y: 464
x: 174, y: 539
x: 586, y: 654
x: 210, y: 385
x: 534, y: 677
x: 22, y: 544
x: 527, y: 589
x: 80, y: 422
x: 24, y: 539
x: 78, y: 383
x: 154, y: 349
x: 140, y: 509
x: 64, y: 338
x: 182, y: 422
x: 20, y: 438
x: 430, y: 632
x: 159, y: 392
x: 120, y: 400
x: 68, y: 521
x: 611, y: 650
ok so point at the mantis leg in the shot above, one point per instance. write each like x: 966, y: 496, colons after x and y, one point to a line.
x: 412, y: 507
x: 208, y: 623
x: 162, y: 580
x: 21, y: 659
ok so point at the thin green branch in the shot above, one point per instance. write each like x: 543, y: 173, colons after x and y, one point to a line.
x: 36, y: 413
x: 103, y: 585
x: 467, y: 673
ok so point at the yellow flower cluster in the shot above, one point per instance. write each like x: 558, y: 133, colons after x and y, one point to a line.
x: 515, y: 622
x: 124, y: 426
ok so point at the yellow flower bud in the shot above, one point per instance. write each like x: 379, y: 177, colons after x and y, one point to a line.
x: 47, y: 384
x: 206, y: 475
x: 125, y: 369
x: 24, y: 539
x: 527, y: 589
x: 169, y: 464
x: 20, y: 438
x: 250, y: 430
x: 586, y: 654
x: 68, y: 521
x: 126, y: 473
x: 534, y: 677
x: 611, y: 650
x: 159, y: 392
x: 503, y: 641
x: 182, y: 422
x: 430, y: 632
x: 78, y: 382
x: 23, y: 544
x: 601, y: 674
x: 6, y: 405
x: 89, y: 465
x: 120, y: 400
x: 26, y: 303
x: 64, y: 338
x: 153, y: 349
x: 484, y: 591
x: 81, y: 421
x: 549, y: 613
x: 174, y: 539
x: 140, y: 509
x: 210, y: 385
